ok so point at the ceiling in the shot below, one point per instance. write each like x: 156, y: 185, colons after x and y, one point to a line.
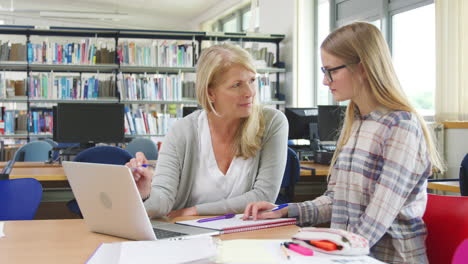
x: 143, y: 14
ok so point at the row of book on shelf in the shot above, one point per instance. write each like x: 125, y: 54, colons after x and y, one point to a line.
x: 91, y: 51
x: 171, y: 87
x: 140, y: 122
x: 40, y: 121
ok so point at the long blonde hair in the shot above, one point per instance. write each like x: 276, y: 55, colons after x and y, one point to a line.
x: 213, y: 62
x: 363, y: 42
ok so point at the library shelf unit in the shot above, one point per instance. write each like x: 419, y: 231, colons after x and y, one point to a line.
x: 53, y: 54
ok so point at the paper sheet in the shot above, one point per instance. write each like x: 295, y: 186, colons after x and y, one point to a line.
x: 1, y: 229
x: 159, y: 251
x: 258, y: 251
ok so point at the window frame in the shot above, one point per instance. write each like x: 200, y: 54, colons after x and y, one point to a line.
x: 218, y: 24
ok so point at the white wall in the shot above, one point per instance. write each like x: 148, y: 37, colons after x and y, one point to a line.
x: 456, y: 147
x: 278, y: 17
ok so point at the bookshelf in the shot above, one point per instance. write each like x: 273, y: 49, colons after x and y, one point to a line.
x: 65, y: 65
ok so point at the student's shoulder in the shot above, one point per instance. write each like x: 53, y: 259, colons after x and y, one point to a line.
x: 401, y: 119
x: 274, y: 116
x: 187, y: 124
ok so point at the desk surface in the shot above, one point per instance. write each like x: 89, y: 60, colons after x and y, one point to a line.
x: 320, y: 169
x: 449, y: 186
x: 70, y: 241
x: 30, y: 164
x: 39, y: 173
x: 54, y: 172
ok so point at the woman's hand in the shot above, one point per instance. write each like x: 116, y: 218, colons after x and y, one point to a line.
x: 183, y: 212
x: 142, y: 176
x: 256, y: 211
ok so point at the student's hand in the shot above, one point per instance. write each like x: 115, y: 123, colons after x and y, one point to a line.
x: 255, y: 211
x: 183, y: 212
x: 141, y: 175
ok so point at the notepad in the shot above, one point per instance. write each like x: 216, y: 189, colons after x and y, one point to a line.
x: 236, y: 224
x: 195, y: 250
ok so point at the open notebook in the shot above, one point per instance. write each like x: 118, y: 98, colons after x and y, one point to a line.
x: 236, y: 224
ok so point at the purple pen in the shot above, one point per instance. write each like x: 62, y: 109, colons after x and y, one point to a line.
x: 226, y: 216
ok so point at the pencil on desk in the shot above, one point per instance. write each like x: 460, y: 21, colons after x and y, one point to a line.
x: 283, y: 248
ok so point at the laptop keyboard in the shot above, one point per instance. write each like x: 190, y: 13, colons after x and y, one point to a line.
x: 161, y: 233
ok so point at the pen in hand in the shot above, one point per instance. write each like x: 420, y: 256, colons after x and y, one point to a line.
x: 145, y: 166
x: 281, y: 206
x: 148, y: 165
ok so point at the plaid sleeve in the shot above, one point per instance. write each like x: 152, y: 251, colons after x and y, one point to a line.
x: 314, y: 212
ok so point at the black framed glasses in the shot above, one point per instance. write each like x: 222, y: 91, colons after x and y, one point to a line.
x: 328, y: 72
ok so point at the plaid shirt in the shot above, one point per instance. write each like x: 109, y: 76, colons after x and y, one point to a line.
x: 378, y: 187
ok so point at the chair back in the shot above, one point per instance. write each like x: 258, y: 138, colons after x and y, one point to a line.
x: 290, y: 177
x: 105, y: 155
x: 446, y: 218
x: 145, y: 145
x: 33, y: 151
x: 19, y: 199
x: 464, y: 176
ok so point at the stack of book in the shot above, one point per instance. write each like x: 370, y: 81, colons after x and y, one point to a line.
x: 151, y: 87
x: 140, y: 122
x: 49, y: 86
x: 87, y: 51
x: 10, y: 88
x: 41, y: 121
x: 12, y: 51
x: 162, y: 53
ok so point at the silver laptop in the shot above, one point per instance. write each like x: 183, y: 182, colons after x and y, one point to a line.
x: 111, y: 204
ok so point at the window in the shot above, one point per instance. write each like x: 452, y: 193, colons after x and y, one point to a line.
x: 236, y: 21
x: 323, y: 29
x: 230, y: 24
x: 414, y: 55
x: 410, y: 29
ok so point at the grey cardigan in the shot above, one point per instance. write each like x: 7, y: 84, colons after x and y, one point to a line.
x: 178, y: 162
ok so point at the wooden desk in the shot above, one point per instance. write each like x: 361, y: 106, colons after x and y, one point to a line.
x: 320, y: 169
x: 30, y: 164
x: 449, y: 186
x: 39, y: 173
x: 54, y: 172
x: 70, y: 241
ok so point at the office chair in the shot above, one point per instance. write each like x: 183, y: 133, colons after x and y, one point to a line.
x: 19, y: 198
x: 145, y: 145
x: 33, y: 151
x: 290, y: 177
x: 99, y: 154
x: 447, y: 226
x: 463, y: 176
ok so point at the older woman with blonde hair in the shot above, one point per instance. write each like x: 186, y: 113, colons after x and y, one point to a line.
x: 218, y: 159
x: 377, y: 185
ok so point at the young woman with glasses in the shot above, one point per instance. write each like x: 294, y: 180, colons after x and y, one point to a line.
x: 378, y: 177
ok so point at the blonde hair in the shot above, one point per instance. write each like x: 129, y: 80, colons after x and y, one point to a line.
x: 363, y: 43
x: 213, y: 62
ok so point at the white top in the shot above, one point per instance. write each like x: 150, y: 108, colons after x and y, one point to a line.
x: 210, y: 183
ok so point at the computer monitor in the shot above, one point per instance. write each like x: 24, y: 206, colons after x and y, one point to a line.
x: 330, y: 119
x: 88, y: 123
x: 299, y: 121
x: 187, y: 110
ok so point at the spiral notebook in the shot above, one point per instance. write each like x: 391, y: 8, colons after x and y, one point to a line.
x: 236, y: 224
